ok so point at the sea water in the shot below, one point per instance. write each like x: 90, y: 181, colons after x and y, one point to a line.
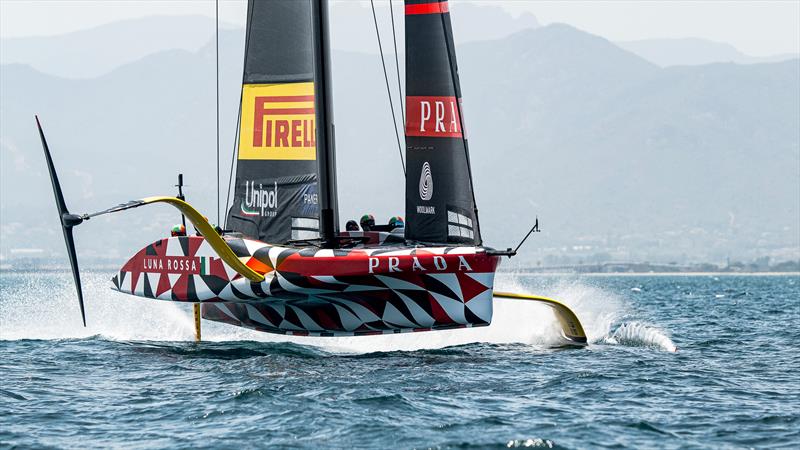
x: 673, y: 362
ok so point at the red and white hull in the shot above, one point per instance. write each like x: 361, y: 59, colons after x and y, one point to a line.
x: 311, y: 291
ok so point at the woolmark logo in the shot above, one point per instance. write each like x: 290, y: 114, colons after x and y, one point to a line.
x: 259, y: 202
x: 426, y: 182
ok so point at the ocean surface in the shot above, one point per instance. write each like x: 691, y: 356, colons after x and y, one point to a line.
x: 674, y: 362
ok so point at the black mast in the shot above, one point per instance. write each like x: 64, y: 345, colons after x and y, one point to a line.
x: 326, y: 148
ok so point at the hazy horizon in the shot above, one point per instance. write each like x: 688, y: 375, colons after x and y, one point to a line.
x: 756, y: 28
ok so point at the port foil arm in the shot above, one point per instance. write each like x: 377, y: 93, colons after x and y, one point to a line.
x: 199, y: 221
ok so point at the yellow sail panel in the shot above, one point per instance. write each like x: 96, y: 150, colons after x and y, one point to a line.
x: 278, y: 122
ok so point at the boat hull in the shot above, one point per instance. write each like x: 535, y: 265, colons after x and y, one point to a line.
x: 311, y: 291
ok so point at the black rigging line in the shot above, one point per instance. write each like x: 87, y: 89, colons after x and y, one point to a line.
x: 397, y: 67
x: 216, y: 17
x: 388, y: 89
x: 233, y: 162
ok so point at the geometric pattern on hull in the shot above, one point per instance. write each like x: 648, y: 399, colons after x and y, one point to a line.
x: 319, y: 292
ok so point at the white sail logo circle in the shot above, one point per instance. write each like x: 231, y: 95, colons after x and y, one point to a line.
x: 426, y: 182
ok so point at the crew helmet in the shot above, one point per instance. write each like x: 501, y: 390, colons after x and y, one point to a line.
x: 178, y: 230
x: 397, y: 222
x: 367, y: 222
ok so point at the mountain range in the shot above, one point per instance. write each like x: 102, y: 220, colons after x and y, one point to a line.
x: 694, y: 51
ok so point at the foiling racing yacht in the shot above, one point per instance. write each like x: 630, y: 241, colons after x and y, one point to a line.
x: 282, y: 265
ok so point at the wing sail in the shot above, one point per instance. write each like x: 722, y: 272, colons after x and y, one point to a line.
x: 440, y: 203
x: 277, y: 172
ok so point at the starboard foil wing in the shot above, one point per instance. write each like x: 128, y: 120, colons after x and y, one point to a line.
x: 440, y: 203
x: 571, y: 327
x: 277, y: 192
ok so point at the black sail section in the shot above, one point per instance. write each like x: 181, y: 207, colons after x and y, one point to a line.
x: 440, y: 205
x: 276, y: 196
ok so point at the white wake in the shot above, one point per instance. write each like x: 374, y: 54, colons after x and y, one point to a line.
x: 637, y: 334
x: 31, y: 310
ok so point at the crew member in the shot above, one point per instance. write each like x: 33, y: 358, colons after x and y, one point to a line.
x: 214, y: 226
x: 351, y: 226
x: 367, y: 222
x: 178, y: 230
x: 396, y: 222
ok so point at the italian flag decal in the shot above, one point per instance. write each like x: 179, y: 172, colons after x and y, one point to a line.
x: 205, y: 265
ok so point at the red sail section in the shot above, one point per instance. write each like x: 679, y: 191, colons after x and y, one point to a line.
x: 433, y: 116
x: 427, y: 8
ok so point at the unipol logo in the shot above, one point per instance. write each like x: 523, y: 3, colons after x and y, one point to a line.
x: 433, y: 117
x: 426, y: 182
x: 259, y: 202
